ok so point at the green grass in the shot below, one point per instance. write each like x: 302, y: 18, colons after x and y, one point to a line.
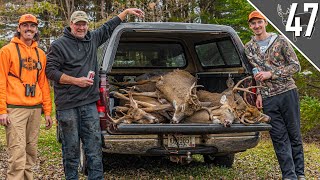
x: 256, y: 163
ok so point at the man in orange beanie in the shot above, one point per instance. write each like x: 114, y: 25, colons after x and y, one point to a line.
x: 24, y: 91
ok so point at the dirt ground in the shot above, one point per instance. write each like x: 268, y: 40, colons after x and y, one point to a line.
x: 245, y: 165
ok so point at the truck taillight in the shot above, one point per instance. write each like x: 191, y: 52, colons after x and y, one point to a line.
x: 103, y: 103
x: 101, y: 111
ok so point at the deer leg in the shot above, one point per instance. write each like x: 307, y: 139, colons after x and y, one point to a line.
x: 121, y: 109
x: 148, y: 94
x: 121, y: 96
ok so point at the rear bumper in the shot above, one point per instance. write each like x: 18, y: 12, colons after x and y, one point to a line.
x: 156, y: 144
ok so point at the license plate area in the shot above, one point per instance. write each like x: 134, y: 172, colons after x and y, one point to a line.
x: 181, y: 141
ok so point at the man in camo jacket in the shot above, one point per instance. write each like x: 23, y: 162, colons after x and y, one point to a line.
x: 276, y: 62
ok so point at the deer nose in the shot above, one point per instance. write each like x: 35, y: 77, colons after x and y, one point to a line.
x: 175, y: 120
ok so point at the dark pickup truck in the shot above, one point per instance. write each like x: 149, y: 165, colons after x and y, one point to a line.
x: 211, y: 53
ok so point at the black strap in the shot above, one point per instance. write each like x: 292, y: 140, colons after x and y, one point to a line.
x: 20, y: 64
x: 20, y: 61
x: 37, y: 63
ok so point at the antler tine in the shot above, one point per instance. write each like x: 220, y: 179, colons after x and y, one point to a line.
x: 247, y: 89
x: 194, y: 94
x: 116, y: 121
x: 242, y: 120
x: 236, y: 86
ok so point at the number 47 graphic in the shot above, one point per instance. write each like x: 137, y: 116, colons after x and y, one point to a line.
x: 294, y: 21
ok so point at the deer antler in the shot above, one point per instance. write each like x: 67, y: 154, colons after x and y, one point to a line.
x: 116, y: 121
x: 243, y: 121
x: 236, y: 88
x: 193, y: 93
x: 121, y: 96
x: 279, y: 10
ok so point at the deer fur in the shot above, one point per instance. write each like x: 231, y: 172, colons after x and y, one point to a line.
x: 179, y: 88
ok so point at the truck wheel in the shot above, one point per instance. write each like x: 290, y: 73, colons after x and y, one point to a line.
x: 83, y: 161
x: 222, y: 161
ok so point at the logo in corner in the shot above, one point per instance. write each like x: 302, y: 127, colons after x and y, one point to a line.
x: 299, y: 22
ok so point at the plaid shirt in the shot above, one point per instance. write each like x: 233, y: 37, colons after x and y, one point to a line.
x: 280, y: 59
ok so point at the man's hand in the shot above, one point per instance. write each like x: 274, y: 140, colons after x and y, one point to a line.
x: 259, y: 101
x: 134, y: 11
x: 263, y: 75
x: 83, y: 82
x: 48, y: 122
x: 4, y: 120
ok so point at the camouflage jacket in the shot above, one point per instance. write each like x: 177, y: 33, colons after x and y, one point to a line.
x: 280, y: 59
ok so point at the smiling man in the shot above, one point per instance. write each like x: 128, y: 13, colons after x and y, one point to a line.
x: 70, y: 59
x: 24, y: 90
x: 276, y: 61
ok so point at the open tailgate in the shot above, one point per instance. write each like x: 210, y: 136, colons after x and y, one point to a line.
x: 191, y: 128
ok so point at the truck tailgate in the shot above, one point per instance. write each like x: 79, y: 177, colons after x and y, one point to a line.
x: 191, y: 128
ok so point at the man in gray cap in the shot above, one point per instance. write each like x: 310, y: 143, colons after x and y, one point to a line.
x: 70, y: 58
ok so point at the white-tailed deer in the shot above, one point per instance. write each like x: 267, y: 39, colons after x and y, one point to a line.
x: 179, y: 88
x: 241, y: 109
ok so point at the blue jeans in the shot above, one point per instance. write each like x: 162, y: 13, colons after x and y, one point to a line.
x: 81, y: 123
x: 284, y: 111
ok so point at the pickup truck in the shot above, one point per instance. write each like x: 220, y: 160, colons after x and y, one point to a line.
x: 212, y: 53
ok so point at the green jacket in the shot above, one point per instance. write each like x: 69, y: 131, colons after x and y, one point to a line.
x: 280, y: 59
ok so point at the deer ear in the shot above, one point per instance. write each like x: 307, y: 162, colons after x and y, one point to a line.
x: 223, y: 99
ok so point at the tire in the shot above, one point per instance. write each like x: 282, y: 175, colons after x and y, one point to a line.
x: 221, y: 161
x: 83, y: 161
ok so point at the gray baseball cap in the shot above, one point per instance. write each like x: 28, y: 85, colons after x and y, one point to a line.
x: 79, y: 16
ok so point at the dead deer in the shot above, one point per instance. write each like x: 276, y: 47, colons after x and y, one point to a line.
x: 246, y: 113
x: 252, y: 115
x: 242, y: 110
x: 179, y: 88
x: 134, y: 113
x: 147, y: 104
x: 223, y: 114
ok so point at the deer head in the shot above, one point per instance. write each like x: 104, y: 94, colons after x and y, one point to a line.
x: 188, y: 107
x: 283, y: 15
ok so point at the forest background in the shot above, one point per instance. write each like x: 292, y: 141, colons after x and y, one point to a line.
x: 54, y: 16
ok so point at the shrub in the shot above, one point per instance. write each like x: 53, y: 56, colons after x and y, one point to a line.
x: 310, y: 110
x: 2, y: 43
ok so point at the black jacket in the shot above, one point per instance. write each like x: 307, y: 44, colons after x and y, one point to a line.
x: 76, y: 57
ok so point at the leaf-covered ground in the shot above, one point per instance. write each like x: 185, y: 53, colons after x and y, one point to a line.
x: 256, y: 163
